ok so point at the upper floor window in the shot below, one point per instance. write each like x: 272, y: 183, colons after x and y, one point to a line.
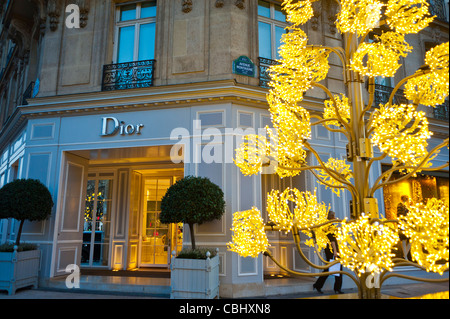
x: 135, y: 31
x: 271, y: 26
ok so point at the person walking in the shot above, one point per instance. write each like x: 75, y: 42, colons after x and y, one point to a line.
x: 331, y: 252
x: 402, y: 211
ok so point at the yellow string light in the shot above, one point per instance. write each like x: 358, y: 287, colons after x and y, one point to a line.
x: 402, y: 133
x: 427, y: 227
x: 301, y: 66
x: 298, y: 12
x: 382, y: 56
x: 343, y: 110
x: 339, y: 166
x: 249, y: 238
x: 366, y: 247
x: 358, y: 16
x: 408, y: 16
x: 251, y: 154
x: 293, y: 207
x: 432, y: 88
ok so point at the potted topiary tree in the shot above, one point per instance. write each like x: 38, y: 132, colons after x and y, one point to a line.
x: 193, y: 200
x: 22, y: 199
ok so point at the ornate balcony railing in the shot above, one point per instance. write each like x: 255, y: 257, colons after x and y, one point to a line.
x: 27, y: 94
x: 382, y: 94
x: 437, y: 8
x: 440, y: 112
x: 128, y: 75
x: 264, y: 65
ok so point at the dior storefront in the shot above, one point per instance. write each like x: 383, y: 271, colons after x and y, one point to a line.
x: 108, y: 168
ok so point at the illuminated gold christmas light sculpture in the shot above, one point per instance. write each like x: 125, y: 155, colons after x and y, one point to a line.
x: 427, y: 226
x: 397, y: 131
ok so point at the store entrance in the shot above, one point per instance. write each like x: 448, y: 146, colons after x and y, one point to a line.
x: 157, y: 240
x: 122, y: 192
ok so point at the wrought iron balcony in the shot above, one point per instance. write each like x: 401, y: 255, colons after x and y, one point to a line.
x: 28, y: 93
x: 382, y: 94
x: 440, y: 112
x: 264, y: 65
x: 437, y: 8
x: 128, y: 75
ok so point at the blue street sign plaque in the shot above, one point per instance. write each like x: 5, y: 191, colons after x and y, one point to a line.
x: 244, y: 66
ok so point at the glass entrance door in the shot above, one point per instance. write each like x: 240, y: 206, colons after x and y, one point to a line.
x: 156, y: 236
x: 97, y: 220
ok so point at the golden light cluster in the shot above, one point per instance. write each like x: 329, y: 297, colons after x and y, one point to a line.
x: 358, y: 16
x: 251, y: 154
x: 341, y: 168
x: 402, y: 133
x: 298, y: 12
x: 380, y: 58
x: 427, y: 227
x: 301, y: 209
x: 343, y: 109
x: 301, y: 65
x: 366, y: 246
x: 249, y: 237
x: 408, y: 16
x: 431, y: 88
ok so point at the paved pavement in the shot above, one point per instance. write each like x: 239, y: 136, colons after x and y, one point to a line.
x: 415, y: 290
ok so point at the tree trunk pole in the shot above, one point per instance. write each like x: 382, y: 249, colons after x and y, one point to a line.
x: 19, y: 232
x: 355, y: 95
x: 191, y: 231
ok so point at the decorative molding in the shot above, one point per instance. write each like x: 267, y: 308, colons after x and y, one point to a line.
x: 240, y: 4
x: 219, y: 3
x: 332, y: 10
x: 187, y: 6
x: 20, y: 32
x: 436, y: 34
x: 315, y: 20
x: 54, y: 11
x: 84, y: 6
x: 40, y: 17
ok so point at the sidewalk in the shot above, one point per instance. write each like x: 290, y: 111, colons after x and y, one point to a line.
x: 414, y: 290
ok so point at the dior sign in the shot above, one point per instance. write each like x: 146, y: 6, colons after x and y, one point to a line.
x: 112, y: 126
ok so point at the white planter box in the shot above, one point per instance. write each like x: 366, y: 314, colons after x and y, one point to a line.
x: 194, y: 278
x: 19, y: 270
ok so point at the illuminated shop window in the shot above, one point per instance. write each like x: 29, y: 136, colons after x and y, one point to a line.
x: 418, y: 189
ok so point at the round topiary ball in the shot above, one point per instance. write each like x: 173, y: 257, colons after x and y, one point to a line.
x: 192, y: 200
x: 25, y: 199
